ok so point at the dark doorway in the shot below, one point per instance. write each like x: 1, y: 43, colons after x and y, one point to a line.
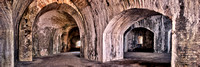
x: 142, y: 40
x: 72, y: 39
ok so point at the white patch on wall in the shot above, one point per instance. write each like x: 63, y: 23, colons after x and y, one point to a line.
x: 78, y: 44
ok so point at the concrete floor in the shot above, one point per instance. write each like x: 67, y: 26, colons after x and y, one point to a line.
x: 71, y: 59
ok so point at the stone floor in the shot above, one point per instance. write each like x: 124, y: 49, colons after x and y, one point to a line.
x: 72, y: 59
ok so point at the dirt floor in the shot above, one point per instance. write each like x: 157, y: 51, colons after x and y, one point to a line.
x: 72, y: 59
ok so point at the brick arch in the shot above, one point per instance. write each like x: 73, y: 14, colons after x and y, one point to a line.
x: 113, y: 33
x: 66, y: 8
x: 61, y: 7
x: 154, y: 26
x: 66, y: 36
x: 134, y: 29
x: 42, y: 3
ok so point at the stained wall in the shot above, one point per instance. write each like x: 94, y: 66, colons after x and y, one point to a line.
x: 97, y: 14
x: 159, y: 25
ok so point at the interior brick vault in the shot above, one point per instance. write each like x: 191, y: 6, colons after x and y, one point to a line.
x: 102, y: 30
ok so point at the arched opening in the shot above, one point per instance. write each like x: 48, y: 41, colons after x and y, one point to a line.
x: 72, y: 39
x: 139, y: 40
x: 48, y: 37
x: 75, y: 40
x: 115, y: 36
x: 149, y: 40
x: 56, y: 28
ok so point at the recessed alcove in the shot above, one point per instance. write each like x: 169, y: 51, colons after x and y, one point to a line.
x: 71, y: 41
x: 149, y: 39
x: 139, y: 40
x: 139, y: 35
x: 52, y: 31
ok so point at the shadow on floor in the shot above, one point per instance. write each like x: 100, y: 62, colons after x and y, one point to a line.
x: 72, y: 59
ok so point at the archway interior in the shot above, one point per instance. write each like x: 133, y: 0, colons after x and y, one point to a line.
x: 114, y: 34
x: 51, y: 30
x: 154, y: 33
x: 149, y: 38
x: 54, y: 32
x: 73, y: 40
x: 139, y: 40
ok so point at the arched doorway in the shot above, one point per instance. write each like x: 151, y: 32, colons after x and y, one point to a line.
x: 46, y: 31
x: 154, y: 30
x: 113, y: 36
x: 149, y: 40
x: 73, y: 40
x: 139, y: 40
